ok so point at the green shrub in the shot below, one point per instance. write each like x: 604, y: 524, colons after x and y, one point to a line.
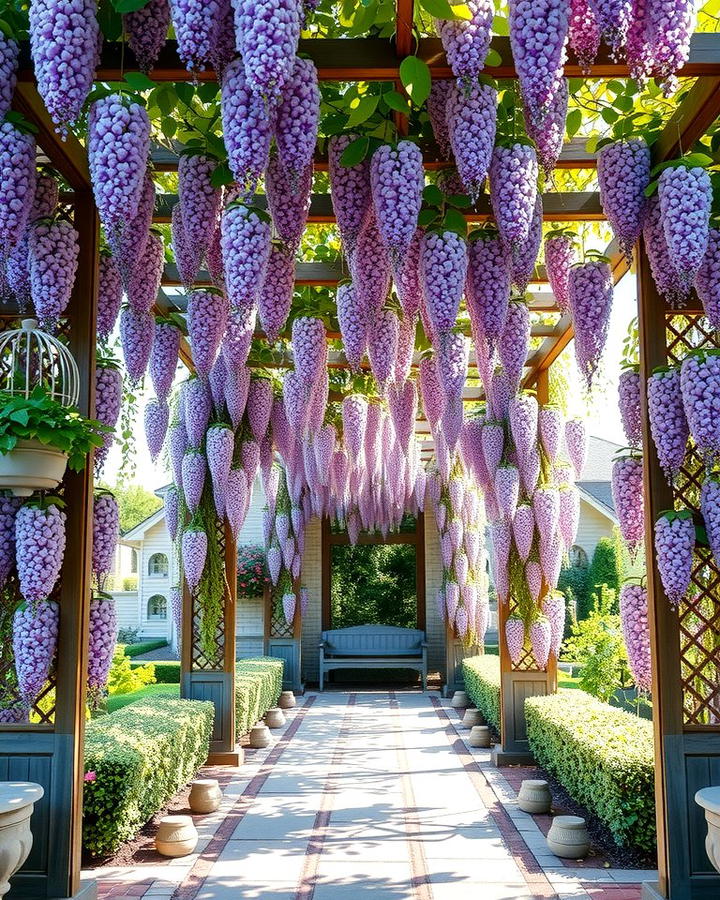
x: 136, y: 759
x: 124, y: 678
x: 149, y: 693
x: 132, y: 650
x: 604, y: 570
x: 602, y: 756
x: 165, y: 672
x: 482, y: 683
x: 258, y: 682
x: 130, y: 583
x: 573, y: 582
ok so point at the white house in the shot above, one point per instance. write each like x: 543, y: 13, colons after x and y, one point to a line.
x: 597, y: 510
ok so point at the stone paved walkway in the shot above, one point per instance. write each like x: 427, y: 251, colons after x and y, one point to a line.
x: 369, y: 794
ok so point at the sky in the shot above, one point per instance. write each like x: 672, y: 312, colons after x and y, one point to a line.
x: 600, y: 409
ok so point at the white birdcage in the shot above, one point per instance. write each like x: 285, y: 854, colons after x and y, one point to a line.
x: 30, y: 357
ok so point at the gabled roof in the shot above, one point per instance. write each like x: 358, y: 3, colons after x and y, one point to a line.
x: 595, y: 485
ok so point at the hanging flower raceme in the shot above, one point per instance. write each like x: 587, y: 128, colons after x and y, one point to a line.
x: 102, y: 633
x: 39, y: 546
x: 553, y: 607
x: 550, y: 422
x: 128, y: 244
x: 662, y: 268
x: 34, y: 640
x: 672, y: 23
x: 296, y: 120
x: 559, y: 258
x: 259, y: 406
x: 591, y: 295
x: 144, y: 283
x: 541, y: 641
x: 187, y: 257
x: 207, y: 313
x: 195, y: 22
x: 487, y: 289
x: 110, y: 294
x: 53, y: 251
x: 220, y: 444
x: 9, y: 52
x: 354, y: 417
x: 523, y: 414
x: 172, y: 511
x: 707, y: 280
x: 437, y: 111
x: 164, y: 356
x: 431, y: 391
x: 137, y: 332
x: 309, y: 344
x: 549, y: 136
x: 522, y: 263
x: 157, y: 417
x: 8, y: 510
x: 350, y: 191
x: 472, y: 121
x: 194, y: 555
x: 199, y: 199
x: 629, y: 390
x: 396, y: 181
x: 146, y: 31
x: 370, y: 269
x: 382, y: 345
x: 710, y: 509
x: 513, y: 189
x: 700, y: 387
x: 197, y: 404
x: 245, y: 241
x: 266, y: 35
x: 247, y: 128
x: 288, y: 199
x: 443, y: 266
x: 515, y: 638
x: 108, y: 399
x: 628, y: 497
x: 623, y: 175
x: 352, y: 317
x: 633, y: 616
x: 17, y: 173
x: 674, y: 547
x: 685, y: 197
x: 576, y: 444
x: 515, y: 341
x: 466, y: 41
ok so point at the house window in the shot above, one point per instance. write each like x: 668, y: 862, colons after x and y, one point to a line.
x: 578, y: 557
x: 158, y: 564
x: 157, y: 607
x: 133, y: 562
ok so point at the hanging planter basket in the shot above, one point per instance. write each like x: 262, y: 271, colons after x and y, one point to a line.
x: 31, y: 466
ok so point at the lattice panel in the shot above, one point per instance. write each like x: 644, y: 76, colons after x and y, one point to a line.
x: 202, y: 661
x: 279, y: 626
x: 699, y: 616
x: 526, y: 663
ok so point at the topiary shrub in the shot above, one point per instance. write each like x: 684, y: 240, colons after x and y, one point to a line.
x: 482, y: 683
x: 165, y: 672
x: 136, y: 759
x: 258, y: 683
x: 604, y: 570
x: 602, y: 756
x: 133, y: 650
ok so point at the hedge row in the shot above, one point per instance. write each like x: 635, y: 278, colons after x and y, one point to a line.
x: 602, y: 756
x: 138, y: 649
x: 482, y: 683
x: 258, y: 682
x: 136, y: 759
x: 165, y: 672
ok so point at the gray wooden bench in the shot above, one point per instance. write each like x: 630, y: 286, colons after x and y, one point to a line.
x: 373, y: 647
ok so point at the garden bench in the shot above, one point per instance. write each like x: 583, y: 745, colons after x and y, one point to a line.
x: 373, y: 647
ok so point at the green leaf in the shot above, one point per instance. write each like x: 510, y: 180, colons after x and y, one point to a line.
x: 397, y: 102
x: 126, y: 6
x: 609, y: 115
x: 221, y: 175
x: 139, y: 82
x: 623, y: 103
x: 427, y: 217
x: 454, y: 220
x: 573, y: 122
x: 361, y: 109
x: 433, y: 195
x: 185, y: 92
x: 441, y: 9
x: 355, y: 152
x: 501, y: 26
x: 493, y: 58
x: 415, y: 77
x: 168, y: 127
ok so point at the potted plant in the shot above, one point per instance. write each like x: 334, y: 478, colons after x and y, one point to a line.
x: 252, y: 571
x: 39, y: 438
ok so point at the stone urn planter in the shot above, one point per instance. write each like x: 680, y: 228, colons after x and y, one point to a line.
x: 287, y: 700
x: 709, y: 799
x: 479, y: 736
x: 260, y: 736
x: 205, y: 795
x: 472, y: 718
x: 176, y: 836
x: 17, y: 801
x: 568, y: 837
x: 31, y: 466
x: 275, y: 717
x: 534, y: 796
x: 459, y: 700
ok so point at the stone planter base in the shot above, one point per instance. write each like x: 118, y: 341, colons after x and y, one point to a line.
x: 568, y: 837
x: 17, y: 801
x: 534, y: 796
x: 205, y: 795
x: 459, y: 700
x: 709, y: 799
x: 472, y: 718
x: 176, y: 836
x: 287, y: 700
x: 275, y: 718
x: 479, y: 736
x: 260, y: 736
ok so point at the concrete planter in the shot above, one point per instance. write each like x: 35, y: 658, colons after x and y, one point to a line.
x: 479, y: 736
x: 459, y: 700
x: 260, y: 736
x: 17, y: 801
x: 534, y: 796
x: 472, y: 718
x: 287, y: 700
x: 568, y: 837
x: 275, y: 718
x: 205, y: 795
x: 176, y: 836
x: 31, y: 467
x: 709, y: 799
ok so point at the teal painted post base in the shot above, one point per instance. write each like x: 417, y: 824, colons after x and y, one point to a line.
x: 88, y: 891
x: 287, y: 649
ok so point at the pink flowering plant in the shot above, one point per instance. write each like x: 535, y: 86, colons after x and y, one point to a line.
x: 252, y: 571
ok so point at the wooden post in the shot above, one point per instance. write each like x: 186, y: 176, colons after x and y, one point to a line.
x: 687, y: 756
x: 518, y: 684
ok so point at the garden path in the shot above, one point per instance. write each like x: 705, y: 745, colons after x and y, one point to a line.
x: 370, y: 794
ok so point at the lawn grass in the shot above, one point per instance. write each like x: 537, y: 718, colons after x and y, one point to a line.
x: 567, y: 681
x: 149, y: 692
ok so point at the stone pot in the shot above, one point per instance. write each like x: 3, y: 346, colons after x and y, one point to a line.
x: 275, y: 717
x: 259, y: 736
x: 479, y: 736
x: 472, y: 718
x: 176, y: 836
x: 205, y: 795
x: 287, y: 700
x: 568, y: 837
x: 534, y: 796
x: 459, y: 700
x: 17, y: 801
x: 31, y: 467
x: 709, y: 799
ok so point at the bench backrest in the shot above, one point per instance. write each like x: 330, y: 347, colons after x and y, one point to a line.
x: 371, y: 640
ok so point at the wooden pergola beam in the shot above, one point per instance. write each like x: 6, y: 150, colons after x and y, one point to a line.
x: 375, y: 59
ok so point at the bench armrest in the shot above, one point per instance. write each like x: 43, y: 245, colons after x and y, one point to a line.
x: 424, y: 643
x: 322, y: 644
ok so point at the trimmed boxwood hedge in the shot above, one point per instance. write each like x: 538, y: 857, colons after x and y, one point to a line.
x: 481, y: 675
x: 165, y: 672
x: 144, y: 647
x: 602, y: 756
x: 136, y: 759
x: 258, y: 682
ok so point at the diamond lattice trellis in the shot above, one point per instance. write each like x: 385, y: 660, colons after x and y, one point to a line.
x: 202, y: 661
x: 699, y: 615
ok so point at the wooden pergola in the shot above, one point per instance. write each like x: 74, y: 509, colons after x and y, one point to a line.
x: 687, y: 733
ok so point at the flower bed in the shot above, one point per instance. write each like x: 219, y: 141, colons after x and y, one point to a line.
x: 482, y: 683
x: 135, y: 760
x: 252, y: 573
x: 258, y: 682
x: 602, y: 756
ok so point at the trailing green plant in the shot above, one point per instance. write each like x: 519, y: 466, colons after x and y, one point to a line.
x: 602, y: 756
x: 40, y: 418
x: 481, y: 675
x: 597, y: 643
x: 258, y: 682
x: 136, y: 759
x: 213, y: 584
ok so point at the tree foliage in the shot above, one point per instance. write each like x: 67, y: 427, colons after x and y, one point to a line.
x: 135, y: 502
x: 605, y: 568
